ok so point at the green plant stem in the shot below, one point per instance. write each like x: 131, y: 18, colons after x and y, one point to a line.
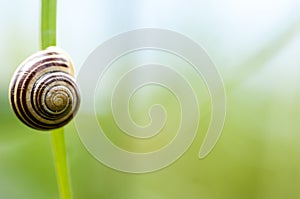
x: 59, y: 149
x: 48, y: 23
x: 48, y: 38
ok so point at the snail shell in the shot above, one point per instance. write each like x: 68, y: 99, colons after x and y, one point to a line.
x: 43, y: 92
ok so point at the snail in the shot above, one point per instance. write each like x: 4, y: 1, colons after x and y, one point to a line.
x: 43, y: 93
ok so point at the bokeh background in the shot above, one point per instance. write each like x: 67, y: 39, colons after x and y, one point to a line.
x: 254, y: 44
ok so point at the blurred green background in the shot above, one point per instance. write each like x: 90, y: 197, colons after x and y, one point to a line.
x: 254, y: 44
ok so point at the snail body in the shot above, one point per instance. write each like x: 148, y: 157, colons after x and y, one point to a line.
x: 43, y: 92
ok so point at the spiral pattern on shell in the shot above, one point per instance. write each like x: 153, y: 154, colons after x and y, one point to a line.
x: 43, y: 92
